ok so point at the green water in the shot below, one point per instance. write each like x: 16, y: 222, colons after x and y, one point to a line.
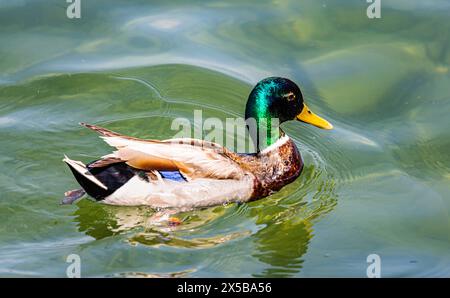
x: 378, y: 183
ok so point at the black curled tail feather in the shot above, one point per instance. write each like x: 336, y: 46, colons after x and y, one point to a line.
x: 113, y: 176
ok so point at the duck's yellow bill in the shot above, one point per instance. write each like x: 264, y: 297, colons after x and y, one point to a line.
x: 309, y: 117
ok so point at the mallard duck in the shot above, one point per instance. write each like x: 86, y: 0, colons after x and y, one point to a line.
x: 192, y: 173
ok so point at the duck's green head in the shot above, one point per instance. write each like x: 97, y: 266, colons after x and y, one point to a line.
x: 280, y: 98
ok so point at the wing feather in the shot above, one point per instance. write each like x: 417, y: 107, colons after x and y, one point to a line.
x: 194, y: 158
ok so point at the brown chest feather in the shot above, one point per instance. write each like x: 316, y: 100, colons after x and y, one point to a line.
x: 273, y: 169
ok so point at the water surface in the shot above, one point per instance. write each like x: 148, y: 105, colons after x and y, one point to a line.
x: 378, y: 183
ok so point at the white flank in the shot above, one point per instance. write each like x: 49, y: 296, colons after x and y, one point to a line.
x: 165, y: 193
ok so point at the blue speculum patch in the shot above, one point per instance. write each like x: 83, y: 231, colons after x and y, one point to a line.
x: 173, y: 175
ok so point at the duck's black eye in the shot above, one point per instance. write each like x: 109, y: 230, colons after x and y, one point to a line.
x: 290, y: 96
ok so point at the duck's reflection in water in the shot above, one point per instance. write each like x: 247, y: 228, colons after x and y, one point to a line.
x: 284, y: 252
x: 288, y: 228
x: 148, y: 227
x: 284, y: 226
